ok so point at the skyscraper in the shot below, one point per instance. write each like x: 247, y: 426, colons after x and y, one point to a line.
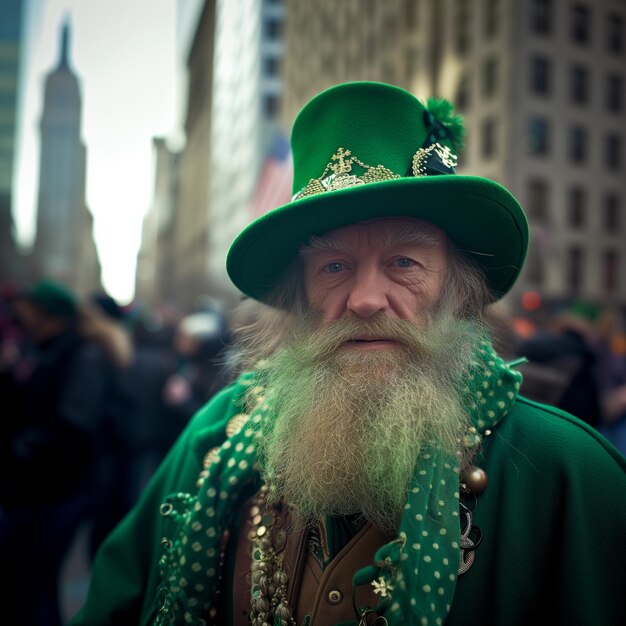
x: 64, y: 246
x: 11, y: 18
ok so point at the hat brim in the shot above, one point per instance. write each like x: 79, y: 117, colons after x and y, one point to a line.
x: 482, y: 218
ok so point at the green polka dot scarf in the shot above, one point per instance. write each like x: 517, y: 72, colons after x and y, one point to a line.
x: 415, y: 574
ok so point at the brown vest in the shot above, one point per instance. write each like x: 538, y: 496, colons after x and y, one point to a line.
x: 324, y: 595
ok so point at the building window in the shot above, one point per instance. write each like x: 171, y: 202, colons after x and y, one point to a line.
x: 370, y: 49
x: 412, y: 61
x: 463, y: 93
x: 579, y: 84
x: 389, y: 72
x: 534, y: 267
x: 490, y: 76
x: 611, y: 213
x: 541, y: 17
x: 577, y: 144
x: 614, y: 93
x: 462, y: 26
x: 580, y: 23
x: 538, y: 201
x: 491, y: 18
x: 271, y: 66
x: 271, y: 105
x: 273, y: 27
x: 575, y: 264
x: 328, y: 60
x: 538, y: 136
x: 540, y: 75
x: 610, y: 264
x: 411, y: 13
x: 577, y: 208
x: 615, y: 33
x: 488, y: 138
x: 389, y: 29
x: 613, y: 151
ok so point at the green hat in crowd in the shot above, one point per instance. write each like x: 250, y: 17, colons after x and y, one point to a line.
x: 583, y: 309
x: 52, y: 298
x: 366, y: 150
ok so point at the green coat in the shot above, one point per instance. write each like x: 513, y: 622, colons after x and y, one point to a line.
x: 553, y: 521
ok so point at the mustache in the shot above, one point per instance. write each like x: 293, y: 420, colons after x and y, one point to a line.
x: 328, y: 339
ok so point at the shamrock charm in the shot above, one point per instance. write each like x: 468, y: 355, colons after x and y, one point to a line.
x: 382, y: 587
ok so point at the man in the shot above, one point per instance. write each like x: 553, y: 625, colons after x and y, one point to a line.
x: 374, y: 463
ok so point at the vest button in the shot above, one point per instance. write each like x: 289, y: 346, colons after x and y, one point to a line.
x: 334, y: 596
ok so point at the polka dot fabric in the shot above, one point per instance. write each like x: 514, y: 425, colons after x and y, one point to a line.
x: 423, y: 572
x: 419, y: 568
x: 195, y: 525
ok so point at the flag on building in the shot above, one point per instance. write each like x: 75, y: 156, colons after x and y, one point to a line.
x: 275, y: 180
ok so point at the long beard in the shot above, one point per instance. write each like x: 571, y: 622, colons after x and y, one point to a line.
x: 350, y: 424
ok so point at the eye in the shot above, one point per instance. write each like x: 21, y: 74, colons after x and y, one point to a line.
x: 404, y: 262
x: 333, y: 268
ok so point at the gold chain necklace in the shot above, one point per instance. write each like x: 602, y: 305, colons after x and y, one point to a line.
x: 269, y: 604
x: 269, y: 581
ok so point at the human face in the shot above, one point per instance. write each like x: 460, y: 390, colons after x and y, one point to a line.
x: 394, y: 267
x: 37, y: 324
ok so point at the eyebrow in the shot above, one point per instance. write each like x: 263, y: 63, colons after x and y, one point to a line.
x: 386, y: 238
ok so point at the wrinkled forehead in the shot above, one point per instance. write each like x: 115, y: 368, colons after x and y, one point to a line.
x: 381, y: 233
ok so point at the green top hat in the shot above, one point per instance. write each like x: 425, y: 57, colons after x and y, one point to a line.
x: 367, y: 150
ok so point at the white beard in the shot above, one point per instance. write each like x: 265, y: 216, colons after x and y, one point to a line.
x: 350, y: 424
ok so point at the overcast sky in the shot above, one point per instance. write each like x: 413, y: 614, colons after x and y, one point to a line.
x: 123, y: 52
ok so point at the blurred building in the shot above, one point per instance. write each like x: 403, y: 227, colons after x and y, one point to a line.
x: 542, y: 86
x: 233, y: 58
x: 11, y: 54
x: 64, y: 248
x: 330, y: 42
x: 155, y: 283
x: 541, y: 83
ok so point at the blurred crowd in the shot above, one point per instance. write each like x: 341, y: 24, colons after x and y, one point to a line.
x: 574, y: 358
x: 94, y: 394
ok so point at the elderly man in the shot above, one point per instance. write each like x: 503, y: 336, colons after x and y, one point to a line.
x: 374, y: 463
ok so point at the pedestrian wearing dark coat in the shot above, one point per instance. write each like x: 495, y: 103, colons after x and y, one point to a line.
x: 51, y: 449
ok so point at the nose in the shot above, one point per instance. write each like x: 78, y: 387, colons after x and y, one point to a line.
x: 367, y: 295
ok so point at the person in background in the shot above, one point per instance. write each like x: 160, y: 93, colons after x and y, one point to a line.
x: 102, y: 321
x: 576, y: 361
x: 613, y: 375
x: 148, y: 435
x: 49, y: 462
x: 11, y: 335
x: 199, y: 370
x: 375, y: 462
x: 570, y: 348
x: 613, y: 426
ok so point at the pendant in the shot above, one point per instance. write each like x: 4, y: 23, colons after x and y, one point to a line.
x: 475, y: 479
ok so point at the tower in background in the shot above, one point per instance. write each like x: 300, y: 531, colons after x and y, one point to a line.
x: 64, y: 247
